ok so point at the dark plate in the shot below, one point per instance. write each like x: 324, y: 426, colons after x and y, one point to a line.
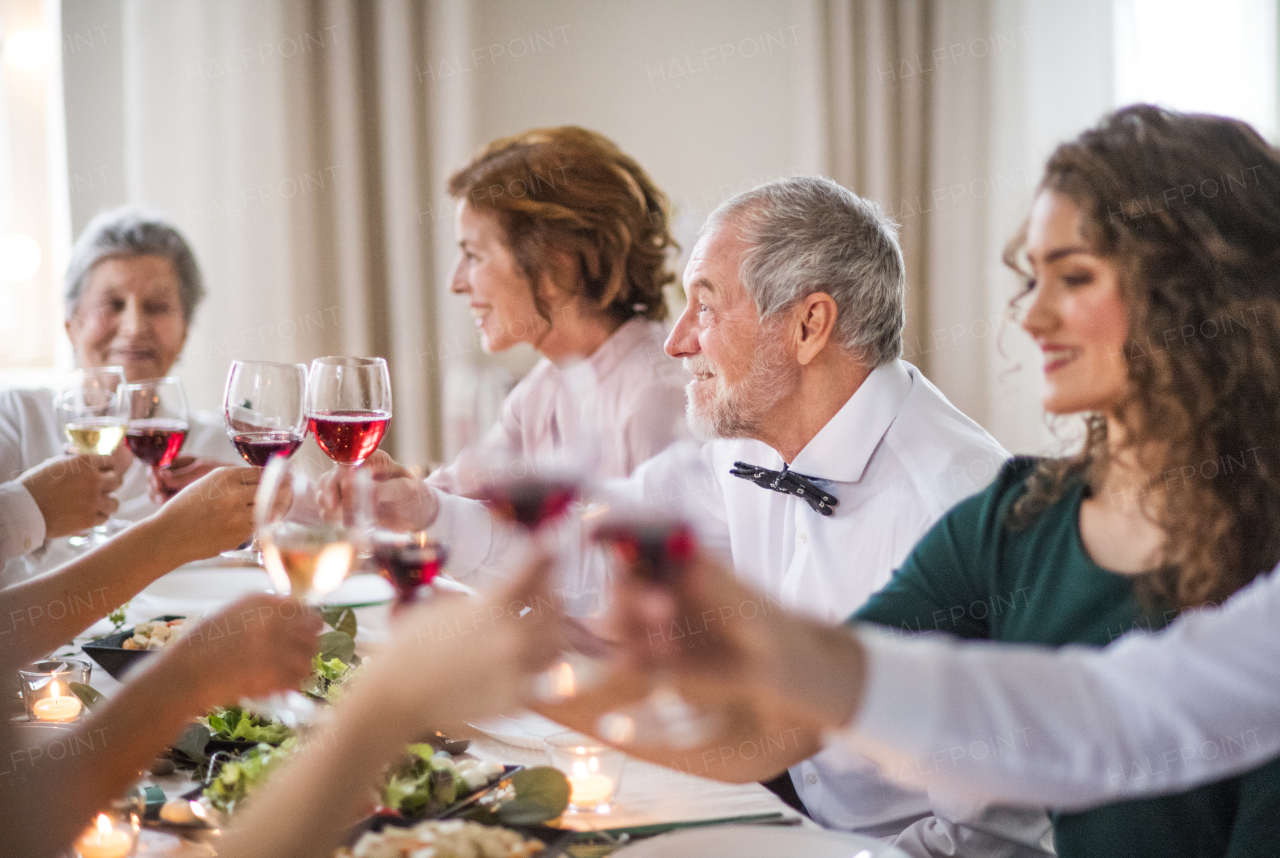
x: 109, y: 652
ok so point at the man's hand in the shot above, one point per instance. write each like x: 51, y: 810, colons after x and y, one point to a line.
x: 213, y: 514
x: 404, y: 501
x: 164, y: 483
x: 258, y: 645
x: 73, y: 492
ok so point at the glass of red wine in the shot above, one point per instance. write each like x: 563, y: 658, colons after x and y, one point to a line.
x: 409, y: 561
x: 264, y: 406
x: 348, y: 406
x: 157, y: 420
x: 657, y: 548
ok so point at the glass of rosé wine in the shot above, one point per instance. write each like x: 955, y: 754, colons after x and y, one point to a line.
x: 348, y: 406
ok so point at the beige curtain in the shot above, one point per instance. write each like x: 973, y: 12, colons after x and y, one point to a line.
x: 944, y: 111
x: 290, y: 141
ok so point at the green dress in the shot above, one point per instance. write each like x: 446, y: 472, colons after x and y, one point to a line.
x: 972, y: 577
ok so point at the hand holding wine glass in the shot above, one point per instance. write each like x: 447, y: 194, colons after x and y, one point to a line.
x: 158, y: 423
x: 348, y: 406
x: 93, y: 410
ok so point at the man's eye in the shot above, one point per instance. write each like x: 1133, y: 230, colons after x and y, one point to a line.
x: 1078, y: 279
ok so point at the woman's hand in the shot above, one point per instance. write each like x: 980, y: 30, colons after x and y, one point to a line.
x: 213, y: 514
x: 404, y: 501
x: 73, y: 492
x: 258, y: 645
x: 164, y: 483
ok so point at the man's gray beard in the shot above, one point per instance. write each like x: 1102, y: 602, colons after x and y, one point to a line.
x: 738, y: 412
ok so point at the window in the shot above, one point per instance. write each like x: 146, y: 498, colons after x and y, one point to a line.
x: 1202, y: 57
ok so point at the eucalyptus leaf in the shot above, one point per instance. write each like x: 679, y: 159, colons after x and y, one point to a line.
x: 88, y: 695
x: 341, y: 619
x: 542, y: 793
x: 191, y: 744
x: 339, y: 645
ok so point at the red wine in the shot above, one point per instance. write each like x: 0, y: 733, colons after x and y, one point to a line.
x: 349, y: 437
x: 656, y: 548
x: 407, y: 563
x: 530, y: 501
x: 157, y: 441
x: 257, y: 448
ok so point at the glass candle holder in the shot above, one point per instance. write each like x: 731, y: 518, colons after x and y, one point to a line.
x: 46, y: 689
x: 114, y: 831
x: 593, y: 768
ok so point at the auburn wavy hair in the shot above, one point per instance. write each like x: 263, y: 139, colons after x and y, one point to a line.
x: 1187, y: 207
x: 571, y: 193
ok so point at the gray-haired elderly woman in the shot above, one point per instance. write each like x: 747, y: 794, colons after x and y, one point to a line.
x: 132, y: 287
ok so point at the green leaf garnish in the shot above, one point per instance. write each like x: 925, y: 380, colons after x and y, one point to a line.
x: 88, y: 695
x: 339, y: 645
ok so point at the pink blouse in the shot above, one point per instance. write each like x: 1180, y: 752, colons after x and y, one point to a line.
x: 640, y: 409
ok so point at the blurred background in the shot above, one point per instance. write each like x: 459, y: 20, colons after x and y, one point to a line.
x: 303, y: 149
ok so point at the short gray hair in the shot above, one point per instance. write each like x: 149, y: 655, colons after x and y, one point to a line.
x: 807, y: 234
x: 133, y: 231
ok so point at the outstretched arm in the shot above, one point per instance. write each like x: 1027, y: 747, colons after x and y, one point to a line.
x: 211, y: 515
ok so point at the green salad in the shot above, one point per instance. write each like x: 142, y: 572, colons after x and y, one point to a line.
x: 238, y: 778
x: 234, y: 724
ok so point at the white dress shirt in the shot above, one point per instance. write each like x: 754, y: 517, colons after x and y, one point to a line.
x: 639, y: 401
x: 897, y: 456
x: 1078, y: 727
x: 30, y: 434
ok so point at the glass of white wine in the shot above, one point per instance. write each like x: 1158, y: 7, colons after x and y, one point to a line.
x: 307, y: 551
x: 94, y: 414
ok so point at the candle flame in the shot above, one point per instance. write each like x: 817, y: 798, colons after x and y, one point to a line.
x: 103, y: 823
x: 197, y: 810
x: 56, y: 692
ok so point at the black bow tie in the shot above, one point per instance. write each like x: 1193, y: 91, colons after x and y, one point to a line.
x: 789, y: 483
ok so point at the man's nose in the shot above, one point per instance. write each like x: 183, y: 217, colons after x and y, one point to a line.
x: 682, y: 342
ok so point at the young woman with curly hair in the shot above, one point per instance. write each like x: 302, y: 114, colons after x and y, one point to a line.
x: 1152, y: 256
x: 563, y: 242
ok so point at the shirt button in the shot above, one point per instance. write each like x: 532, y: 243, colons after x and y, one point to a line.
x: 811, y: 779
x: 802, y: 536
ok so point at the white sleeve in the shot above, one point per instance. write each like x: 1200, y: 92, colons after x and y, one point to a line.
x: 21, y: 522
x: 1078, y: 727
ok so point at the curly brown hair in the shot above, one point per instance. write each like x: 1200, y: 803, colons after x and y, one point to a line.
x: 1187, y: 207
x: 572, y: 191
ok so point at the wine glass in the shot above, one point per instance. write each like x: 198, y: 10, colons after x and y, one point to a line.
x: 158, y: 422
x: 307, y: 551
x: 655, y: 546
x: 348, y: 406
x: 264, y: 406
x: 93, y: 412
x: 407, y: 559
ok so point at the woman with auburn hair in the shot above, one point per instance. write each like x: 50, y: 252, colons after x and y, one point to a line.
x: 1152, y: 257
x: 563, y: 245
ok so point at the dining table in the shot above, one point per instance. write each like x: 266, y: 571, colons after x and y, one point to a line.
x: 651, y: 799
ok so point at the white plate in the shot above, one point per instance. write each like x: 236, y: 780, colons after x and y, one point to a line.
x: 759, y: 841
x: 525, y: 730
x: 192, y: 592
x: 361, y: 590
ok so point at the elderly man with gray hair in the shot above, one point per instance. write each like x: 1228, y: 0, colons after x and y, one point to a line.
x: 828, y: 456
x: 132, y: 286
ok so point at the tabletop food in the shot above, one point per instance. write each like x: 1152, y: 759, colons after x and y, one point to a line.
x: 452, y: 838
x: 156, y: 634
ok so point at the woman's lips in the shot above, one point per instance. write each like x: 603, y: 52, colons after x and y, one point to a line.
x: 1056, y: 358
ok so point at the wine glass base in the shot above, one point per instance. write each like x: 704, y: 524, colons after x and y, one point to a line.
x: 95, y: 536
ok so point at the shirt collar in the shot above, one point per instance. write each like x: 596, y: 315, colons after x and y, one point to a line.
x: 630, y: 335
x: 841, y: 449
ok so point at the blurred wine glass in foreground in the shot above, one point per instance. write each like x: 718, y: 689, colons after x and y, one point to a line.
x: 94, y: 414
x: 307, y: 554
x: 348, y: 406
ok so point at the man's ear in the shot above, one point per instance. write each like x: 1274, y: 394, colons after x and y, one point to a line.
x: 815, y: 321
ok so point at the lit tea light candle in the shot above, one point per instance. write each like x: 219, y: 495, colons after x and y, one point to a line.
x: 589, y: 787
x: 104, y: 840
x: 57, y: 706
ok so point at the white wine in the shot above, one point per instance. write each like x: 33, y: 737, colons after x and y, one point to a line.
x: 97, y: 436
x: 306, y: 561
